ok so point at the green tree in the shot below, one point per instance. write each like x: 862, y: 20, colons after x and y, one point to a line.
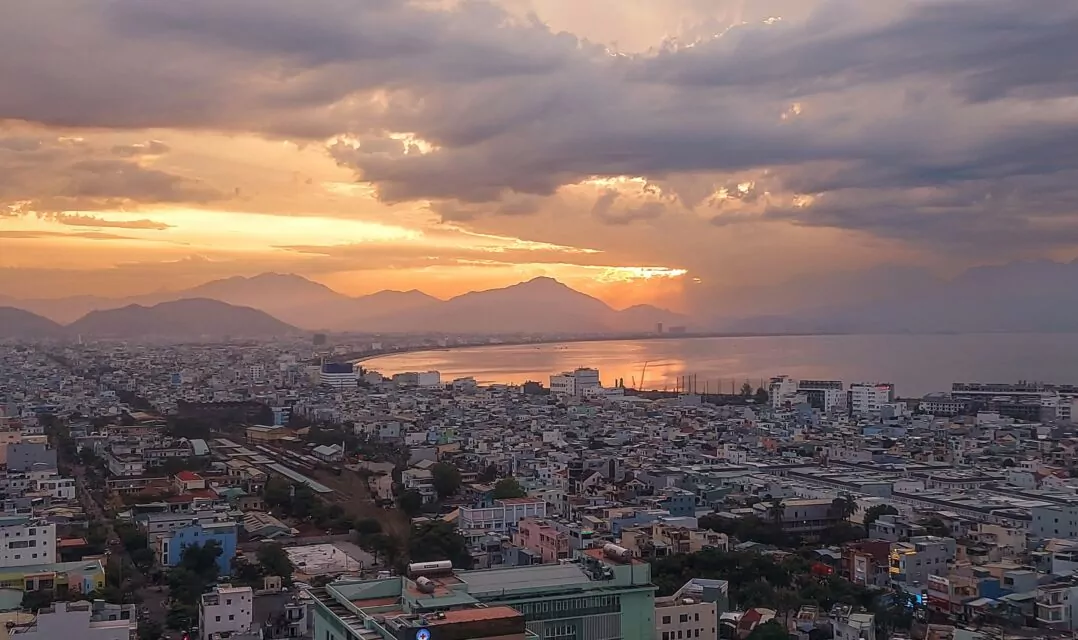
x: 150, y: 630
x: 761, y: 396
x: 245, y: 573
x: 446, y: 479
x: 508, y: 488
x: 490, y: 474
x: 874, y: 512
x: 411, y: 502
x: 34, y: 600
x: 936, y: 527
x: 746, y: 390
x: 275, y: 561
x: 438, y: 540
x: 277, y: 493
x: 770, y: 630
x: 367, y: 526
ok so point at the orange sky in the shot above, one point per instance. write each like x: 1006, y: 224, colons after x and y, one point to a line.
x: 661, y: 151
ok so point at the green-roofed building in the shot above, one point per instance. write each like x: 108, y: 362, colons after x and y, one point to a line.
x: 596, y: 597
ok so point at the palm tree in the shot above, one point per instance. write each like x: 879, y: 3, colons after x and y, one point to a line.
x: 777, y: 510
x: 845, y: 506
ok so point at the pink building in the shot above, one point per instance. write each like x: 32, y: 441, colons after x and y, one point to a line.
x: 541, y: 538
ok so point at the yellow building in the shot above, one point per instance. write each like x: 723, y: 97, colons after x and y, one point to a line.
x: 82, y: 576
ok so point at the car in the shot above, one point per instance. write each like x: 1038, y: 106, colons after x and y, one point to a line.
x: 114, y: 542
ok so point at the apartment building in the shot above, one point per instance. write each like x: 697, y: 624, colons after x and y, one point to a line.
x: 685, y: 619
x: 502, y: 517
x: 1054, y: 521
x: 1057, y: 605
x: 25, y: 541
x: 542, y: 539
x: 226, y: 609
x: 912, y: 562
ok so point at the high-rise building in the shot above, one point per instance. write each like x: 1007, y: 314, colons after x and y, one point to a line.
x: 868, y: 397
x: 341, y: 375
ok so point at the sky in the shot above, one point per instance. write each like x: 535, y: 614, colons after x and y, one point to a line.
x: 676, y: 152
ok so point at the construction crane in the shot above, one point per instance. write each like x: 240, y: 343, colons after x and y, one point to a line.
x: 642, y: 372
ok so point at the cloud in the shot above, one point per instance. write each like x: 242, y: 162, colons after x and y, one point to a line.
x: 138, y: 149
x: 79, y: 220
x: 50, y: 174
x: 19, y: 234
x: 948, y: 121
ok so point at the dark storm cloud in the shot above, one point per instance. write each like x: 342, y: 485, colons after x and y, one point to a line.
x: 940, y: 96
x: 45, y: 175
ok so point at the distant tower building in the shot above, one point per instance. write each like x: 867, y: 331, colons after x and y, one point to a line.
x: 341, y: 375
x: 659, y: 328
x: 319, y: 339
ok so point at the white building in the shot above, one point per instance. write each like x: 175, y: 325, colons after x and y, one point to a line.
x: 575, y: 383
x: 82, y: 620
x: 870, y: 397
x: 502, y: 516
x: 425, y: 379
x: 1054, y: 521
x: 226, y: 609
x: 563, y: 384
x: 781, y: 390
x: 24, y: 541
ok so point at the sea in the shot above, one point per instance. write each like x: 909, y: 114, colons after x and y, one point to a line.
x: 916, y: 364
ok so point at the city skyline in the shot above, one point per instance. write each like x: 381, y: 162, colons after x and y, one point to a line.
x: 669, y: 153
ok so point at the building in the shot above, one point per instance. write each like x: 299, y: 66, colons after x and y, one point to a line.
x: 658, y: 539
x: 502, y: 517
x: 226, y: 609
x: 340, y: 375
x: 825, y: 395
x: 802, y: 516
x: 82, y: 576
x: 27, y: 456
x: 1054, y: 521
x: 84, y: 620
x: 912, y: 562
x: 576, y: 383
x: 602, y: 595
x: 869, y: 397
x: 26, y: 541
x: 172, y: 544
x: 266, y: 433
x: 425, y: 379
x: 542, y: 539
x: 867, y: 563
x: 684, y: 618
x: 780, y: 390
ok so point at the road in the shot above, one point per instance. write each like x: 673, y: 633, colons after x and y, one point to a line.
x: 152, y: 600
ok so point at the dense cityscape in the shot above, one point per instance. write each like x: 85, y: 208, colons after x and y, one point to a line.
x: 278, y: 489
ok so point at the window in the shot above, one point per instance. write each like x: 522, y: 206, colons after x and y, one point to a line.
x: 218, y: 619
x: 228, y: 601
x: 666, y: 619
x: 231, y: 617
x: 698, y: 617
x: 683, y: 618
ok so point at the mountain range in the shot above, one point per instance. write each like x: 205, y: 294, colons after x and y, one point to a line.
x: 285, y: 301
x: 1022, y: 296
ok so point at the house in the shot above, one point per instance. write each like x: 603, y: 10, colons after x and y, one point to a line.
x: 186, y: 481
x: 329, y: 453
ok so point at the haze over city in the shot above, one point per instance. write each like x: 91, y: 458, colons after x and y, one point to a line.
x: 695, y: 155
